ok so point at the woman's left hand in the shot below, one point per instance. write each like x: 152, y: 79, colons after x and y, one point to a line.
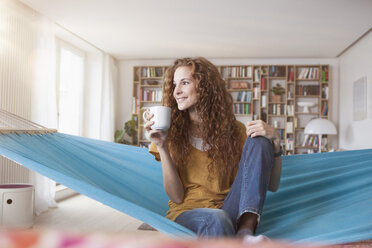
x: 261, y: 128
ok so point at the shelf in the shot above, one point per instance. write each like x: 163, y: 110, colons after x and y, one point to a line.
x: 282, y: 78
x: 299, y: 113
x: 238, y: 78
x: 307, y: 147
x: 144, y: 102
x: 236, y: 90
x: 309, y: 96
x: 277, y: 102
x: 307, y: 79
x: 151, y: 86
x: 154, y: 78
x: 241, y: 102
x: 271, y: 115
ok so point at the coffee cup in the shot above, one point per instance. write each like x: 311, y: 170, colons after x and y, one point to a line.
x: 161, y: 119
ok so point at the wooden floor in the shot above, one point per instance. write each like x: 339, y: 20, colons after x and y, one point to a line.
x: 83, y: 214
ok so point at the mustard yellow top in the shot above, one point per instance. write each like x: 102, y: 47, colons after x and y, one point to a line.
x: 199, y: 191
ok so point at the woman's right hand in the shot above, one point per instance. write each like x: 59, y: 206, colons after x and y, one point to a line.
x: 158, y: 137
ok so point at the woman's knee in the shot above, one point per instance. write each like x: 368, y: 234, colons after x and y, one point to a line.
x: 207, y: 222
x: 258, y: 144
x: 219, y: 223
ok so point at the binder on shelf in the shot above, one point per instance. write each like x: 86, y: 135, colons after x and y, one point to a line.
x: 263, y: 83
x: 256, y: 92
x: 263, y: 101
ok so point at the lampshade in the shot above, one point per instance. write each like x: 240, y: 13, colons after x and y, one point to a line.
x: 320, y: 126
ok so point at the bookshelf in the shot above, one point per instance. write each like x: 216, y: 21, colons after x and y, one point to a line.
x: 147, y: 91
x: 252, y: 88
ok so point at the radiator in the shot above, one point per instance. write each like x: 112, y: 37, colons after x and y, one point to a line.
x: 11, y: 172
x: 17, y: 47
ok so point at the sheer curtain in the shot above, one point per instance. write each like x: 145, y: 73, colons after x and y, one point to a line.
x: 109, y: 85
x: 28, y: 85
x: 27, y: 73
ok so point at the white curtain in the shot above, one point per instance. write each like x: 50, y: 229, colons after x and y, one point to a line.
x: 28, y: 83
x: 28, y: 79
x: 109, y: 84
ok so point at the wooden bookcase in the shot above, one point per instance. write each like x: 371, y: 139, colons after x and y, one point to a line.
x: 251, y: 87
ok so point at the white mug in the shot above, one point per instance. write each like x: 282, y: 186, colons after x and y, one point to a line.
x: 161, y: 119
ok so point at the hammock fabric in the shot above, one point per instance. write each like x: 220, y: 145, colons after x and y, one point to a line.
x: 323, y: 198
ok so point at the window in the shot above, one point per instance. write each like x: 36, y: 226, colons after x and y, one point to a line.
x: 70, y: 78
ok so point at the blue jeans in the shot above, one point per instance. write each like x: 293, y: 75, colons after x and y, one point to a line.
x: 247, y: 193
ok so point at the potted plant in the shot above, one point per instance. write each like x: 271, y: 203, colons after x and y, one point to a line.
x: 127, y: 135
x: 278, y: 91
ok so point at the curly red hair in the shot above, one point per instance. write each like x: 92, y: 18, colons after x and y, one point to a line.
x: 218, y: 122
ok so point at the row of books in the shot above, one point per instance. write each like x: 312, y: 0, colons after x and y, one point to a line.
x: 290, y: 110
x: 325, y: 110
x: 240, y: 71
x: 151, y: 95
x: 152, y: 72
x: 307, y: 90
x: 308, y: 73
x: 289, y: 144
x: 244, y: 96
x: 277, y: 71
x: 311, y: 140
x: 242, y: 108
x: 257, y: 75
x: 135, y: 105
x: 325, y: 92
x: 289, y: 127
x: 278, y: 109
x: 291, y: 75
x: 325, y: 75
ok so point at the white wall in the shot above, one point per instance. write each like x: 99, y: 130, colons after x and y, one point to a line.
x: 354, y: 64
x: 126, y: 82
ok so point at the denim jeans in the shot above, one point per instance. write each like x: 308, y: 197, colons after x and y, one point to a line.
x: 247, y: 193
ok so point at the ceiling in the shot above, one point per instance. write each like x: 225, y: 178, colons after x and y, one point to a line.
x: 156, y: 29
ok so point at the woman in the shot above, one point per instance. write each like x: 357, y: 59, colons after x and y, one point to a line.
x: 216, y: 171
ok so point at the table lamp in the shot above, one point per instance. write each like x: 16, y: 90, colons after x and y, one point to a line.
x: 320, y: 126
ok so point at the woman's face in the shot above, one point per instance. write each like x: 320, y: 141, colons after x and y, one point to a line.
x: 185, y: 91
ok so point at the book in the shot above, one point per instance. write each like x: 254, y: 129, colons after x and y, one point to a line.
x: 263, y: 82
x: 290, y: 110
x: 256, y: 92
x: 291, y: 76
x: 289, y: 127
x: 263, y: 101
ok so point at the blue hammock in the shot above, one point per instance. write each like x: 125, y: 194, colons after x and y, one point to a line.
x: 322, y: 197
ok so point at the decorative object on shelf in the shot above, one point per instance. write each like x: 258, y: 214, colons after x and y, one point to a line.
x: 239, y: 85
x: 306, y: 106
x: 278, y: 91
x: 128, y: 135
x: 320, y: 126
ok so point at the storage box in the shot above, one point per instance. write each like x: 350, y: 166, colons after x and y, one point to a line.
x: 239, y: 85
x: 16, y: 205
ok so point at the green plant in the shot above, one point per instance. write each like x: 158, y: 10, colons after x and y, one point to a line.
x: 278, y: 90
x: 127, y: 135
